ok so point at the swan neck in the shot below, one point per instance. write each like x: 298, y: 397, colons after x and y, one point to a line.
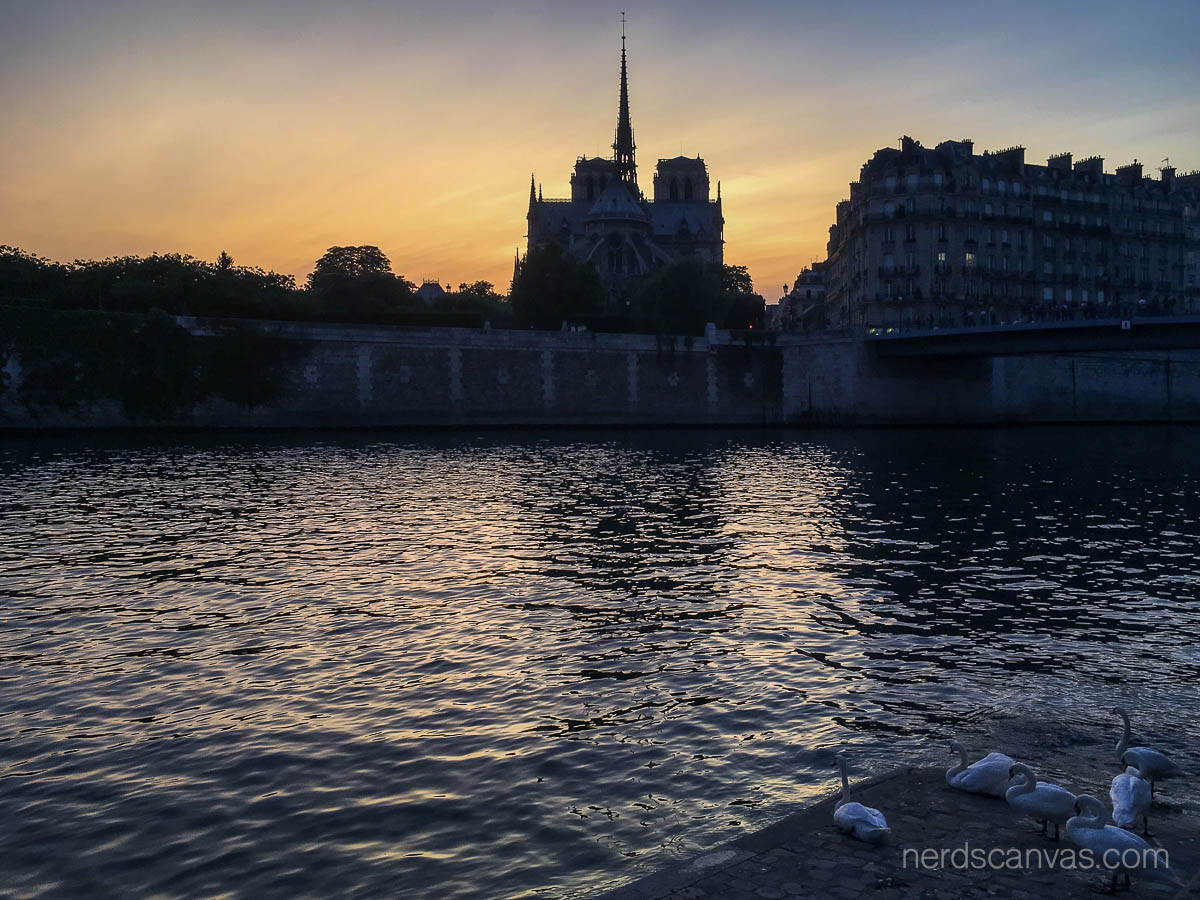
x: 1028, y: 781
x: 1095, y: 813
x: 845, y: 782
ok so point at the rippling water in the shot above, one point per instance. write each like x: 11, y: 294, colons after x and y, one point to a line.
x: 533, y: 662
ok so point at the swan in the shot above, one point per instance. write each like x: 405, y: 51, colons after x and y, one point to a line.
x: 1130, y: 795
x: 1044, y: 801
x: 1152, y: 765
x: 1111, y: 846
x: 853, y: 818
x: 987, y: 776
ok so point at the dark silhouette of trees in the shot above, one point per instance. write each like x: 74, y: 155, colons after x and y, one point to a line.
x: 745, y: 309
x: 551, y: 287
x: 357, y: 284
x: 681, y: 298
x: 177, y: 284
x: 479, y: 289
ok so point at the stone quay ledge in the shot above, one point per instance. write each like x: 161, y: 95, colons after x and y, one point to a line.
x: 803, y: 855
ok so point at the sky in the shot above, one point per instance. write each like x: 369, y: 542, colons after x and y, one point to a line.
x: 274, y: 129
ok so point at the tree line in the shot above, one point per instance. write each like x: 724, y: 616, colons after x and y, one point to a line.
x: 357, y: 284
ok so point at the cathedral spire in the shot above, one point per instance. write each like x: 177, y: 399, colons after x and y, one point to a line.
x: 623, y: 145
x: 532, y: 196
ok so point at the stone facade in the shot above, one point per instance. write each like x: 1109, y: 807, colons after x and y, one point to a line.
x: 610, y: 223
x: 947, y: 237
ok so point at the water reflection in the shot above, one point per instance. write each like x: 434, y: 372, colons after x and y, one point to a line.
x: 523, y: 662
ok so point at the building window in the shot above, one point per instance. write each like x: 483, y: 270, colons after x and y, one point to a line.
x: 910, y: 232
x: 1047, y: 293
x: 1001, y: 185
x: 987, y: 209
x: 941, y: 231
x: 1047, y: 216
x: 911, y: 182
x: 937, y: 180
x: 888, y: 234
x: 941, y: 257
x: 890, y: 182
x: 1068, y: 295
x: 1048, y: 268
x: 969, y: 259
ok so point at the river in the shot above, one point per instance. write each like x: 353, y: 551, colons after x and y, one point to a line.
x: 517, y: 663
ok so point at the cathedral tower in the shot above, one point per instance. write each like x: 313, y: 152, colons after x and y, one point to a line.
x: 623, y: 146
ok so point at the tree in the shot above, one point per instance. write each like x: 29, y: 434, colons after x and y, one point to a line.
x: 479, y: 289
x: 744, y: 308
x: 736, y: 280
x: 679, y: 298
x: 357, y: 284
x: 551, y: 286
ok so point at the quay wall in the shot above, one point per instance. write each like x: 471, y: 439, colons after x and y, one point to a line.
x: 365, y: 376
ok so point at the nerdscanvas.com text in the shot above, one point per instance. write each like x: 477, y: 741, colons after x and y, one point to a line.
x: 969, y: 857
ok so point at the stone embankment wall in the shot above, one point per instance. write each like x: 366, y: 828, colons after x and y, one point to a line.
x: 300, y: 375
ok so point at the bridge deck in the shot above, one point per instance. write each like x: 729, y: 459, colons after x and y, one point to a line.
x: 1144, y: 333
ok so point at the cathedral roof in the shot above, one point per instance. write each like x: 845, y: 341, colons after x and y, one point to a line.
x: 617, y: 201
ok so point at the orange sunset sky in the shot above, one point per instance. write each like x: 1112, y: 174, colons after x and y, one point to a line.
x: 274, y: 129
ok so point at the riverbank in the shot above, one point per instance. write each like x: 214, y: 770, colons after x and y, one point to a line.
x: 90, y: 370
x: 804, y: 856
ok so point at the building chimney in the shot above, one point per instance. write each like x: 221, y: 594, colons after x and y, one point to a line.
x: 1130, y: 174
x: 1060, y: 161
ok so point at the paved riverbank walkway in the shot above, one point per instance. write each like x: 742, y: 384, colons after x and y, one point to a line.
x: 804, y: 856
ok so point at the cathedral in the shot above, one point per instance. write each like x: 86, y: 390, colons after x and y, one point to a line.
x: 610, y: 223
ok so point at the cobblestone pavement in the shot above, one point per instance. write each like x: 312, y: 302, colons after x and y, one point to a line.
x: 804, y: 856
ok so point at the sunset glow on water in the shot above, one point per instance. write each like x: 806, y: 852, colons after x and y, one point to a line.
x: 522, y: 663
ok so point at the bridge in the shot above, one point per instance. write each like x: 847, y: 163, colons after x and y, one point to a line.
x: 1136, y: 333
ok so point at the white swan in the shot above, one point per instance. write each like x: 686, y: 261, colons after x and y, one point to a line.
x: 1153, y: 765
x: 1130, y: 795
x: 853, y: 818
x: 1044, y: 801
x: 987, y: 776
x: 1115, y: 848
